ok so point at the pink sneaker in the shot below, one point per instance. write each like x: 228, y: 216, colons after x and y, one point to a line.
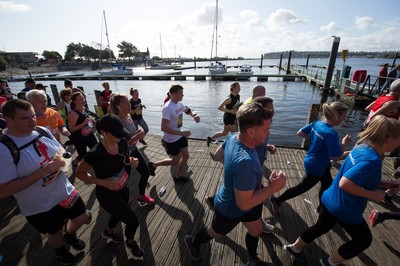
x: 144, y: 199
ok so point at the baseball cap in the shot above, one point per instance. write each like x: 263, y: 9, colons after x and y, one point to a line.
x: 112, y: 124
x: 40, y: 86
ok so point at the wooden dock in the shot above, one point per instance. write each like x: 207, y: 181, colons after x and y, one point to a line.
x: 182, y: 210
x: 230, y: 76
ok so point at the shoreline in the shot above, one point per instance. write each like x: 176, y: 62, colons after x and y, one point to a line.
x: 11, y: 72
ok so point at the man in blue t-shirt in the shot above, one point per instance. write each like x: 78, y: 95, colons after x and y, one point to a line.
x: 242, y: 193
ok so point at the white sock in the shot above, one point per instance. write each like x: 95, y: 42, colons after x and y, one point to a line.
x: 294, y: 249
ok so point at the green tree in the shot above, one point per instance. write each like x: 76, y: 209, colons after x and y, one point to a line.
x: 51, y: 55
x: 127, y: 50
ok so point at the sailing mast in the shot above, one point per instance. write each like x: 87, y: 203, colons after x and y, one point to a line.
x: 108, y: 40
x: 216, y: 32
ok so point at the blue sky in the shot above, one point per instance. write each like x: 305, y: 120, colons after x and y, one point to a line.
x: 246, y: 28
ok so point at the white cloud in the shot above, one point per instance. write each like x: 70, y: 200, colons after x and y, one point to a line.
x: 248, y: 13
x: 281, y: 19
x: 364, y: 23
x: 206, y: 14
x: 11, y: 7
x: 331, y: 27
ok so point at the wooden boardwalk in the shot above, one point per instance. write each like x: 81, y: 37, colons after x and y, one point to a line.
x: 182, y: 210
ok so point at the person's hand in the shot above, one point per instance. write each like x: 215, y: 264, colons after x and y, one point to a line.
x: 346, y: 140
x: 139, y: 134
x: 110, y: 183
x: 196, y: 119
x: 378, y: 195
x: 134, y: 161
x: 87, y: 120
x: 186, y: 133
x: 271, y: 148
x: 277, y: 180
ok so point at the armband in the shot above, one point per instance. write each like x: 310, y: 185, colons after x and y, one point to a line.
x: 194, y: 114
x: 188, y: 110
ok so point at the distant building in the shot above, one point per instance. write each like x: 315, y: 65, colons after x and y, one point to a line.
x: 20, y: 57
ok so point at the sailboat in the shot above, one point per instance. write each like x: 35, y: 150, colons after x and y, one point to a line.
x: 218, y: 68
x: 117, y: 69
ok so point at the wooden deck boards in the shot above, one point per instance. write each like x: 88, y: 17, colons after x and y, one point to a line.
x: 182, y: 210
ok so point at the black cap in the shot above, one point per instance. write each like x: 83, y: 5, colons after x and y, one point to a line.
x: 112, y: 124
x: 40, y: 86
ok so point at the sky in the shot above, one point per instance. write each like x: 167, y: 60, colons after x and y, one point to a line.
x: 246, y: 28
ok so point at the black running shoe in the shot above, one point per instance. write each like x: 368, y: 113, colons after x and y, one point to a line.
x: 114, y: 237
x: 143, y: 142
x: 210, y: 202
x: 299, y: 256
x: 64, y: 256
x: 137, y: 252
x: 209, y: 140
x: 193, y: 251
x: 74, y: 241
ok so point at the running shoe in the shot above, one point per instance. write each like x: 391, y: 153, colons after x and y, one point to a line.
x: 299, y: 256
x: 64, y: 256
x: 267, y: 227
x: 74, y: 241
x: 375, y: 218
x: 144, y: 200
x: 137, y: 252
x: 114, y: 237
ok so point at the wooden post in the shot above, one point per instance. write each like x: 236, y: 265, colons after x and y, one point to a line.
x: 280, y: 62
x: 313, y: 115
x: 331, y: 64
x: 288, y: 63
x: 308, y: 58
x: 195, y: 63
x: 261, y: 63
x: 54, y: 90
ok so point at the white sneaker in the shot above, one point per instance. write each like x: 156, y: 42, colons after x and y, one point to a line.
x: 267, y: 227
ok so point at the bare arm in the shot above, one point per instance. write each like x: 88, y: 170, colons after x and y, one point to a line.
x: 387, y: 108
x: 82, y: 172
x: 222, y: 108
x: 369, y: 107
x: 16, y: 185
x: 301, y: 134
x: 73, y: 119
x: 246, y: 200
x: 354, y: 189
x: 219, y: 155
x: 166, y: 129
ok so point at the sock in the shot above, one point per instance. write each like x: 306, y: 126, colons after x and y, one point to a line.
x: 294, y: 248
x: 201, y: 237
x: 330, y: 262
x: 251, y: 244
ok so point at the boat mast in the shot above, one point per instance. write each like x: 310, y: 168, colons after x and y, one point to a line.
x: 101, y: 42
x: 108, y: 40
x: 216, y: 32
x: 161, y: 46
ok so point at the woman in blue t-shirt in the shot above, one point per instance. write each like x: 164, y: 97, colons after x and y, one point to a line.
x: 324, y: 147
x: 357, y: 181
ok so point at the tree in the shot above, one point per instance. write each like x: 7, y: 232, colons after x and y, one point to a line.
x: 51, y: 55
x: 127, y: 50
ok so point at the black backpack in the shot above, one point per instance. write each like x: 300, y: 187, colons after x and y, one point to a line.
x: 10, y: 144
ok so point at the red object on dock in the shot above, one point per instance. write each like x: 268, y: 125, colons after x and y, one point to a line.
x: 359, y: 76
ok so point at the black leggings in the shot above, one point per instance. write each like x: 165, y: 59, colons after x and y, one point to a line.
x: 81, y: 144
x: 390, y: 215
x: 142, y: 168
x: 361, y: 237
x: 308, y: 182
x: 116, y: 204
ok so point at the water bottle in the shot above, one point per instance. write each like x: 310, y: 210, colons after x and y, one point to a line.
x: 162, y: 191
x: 90, y: 124
x: 67, y: 158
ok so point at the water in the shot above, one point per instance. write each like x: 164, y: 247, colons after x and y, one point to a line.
x: 292, y: 100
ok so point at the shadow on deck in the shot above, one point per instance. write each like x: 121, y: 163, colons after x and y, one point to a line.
x: 182, y: 210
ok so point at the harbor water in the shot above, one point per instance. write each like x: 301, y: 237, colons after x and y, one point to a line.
x: 292, y: 100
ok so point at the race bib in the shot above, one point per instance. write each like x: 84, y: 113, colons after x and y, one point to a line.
x: 122, y: 178
x: 86, y: 130
x: 69, y: 202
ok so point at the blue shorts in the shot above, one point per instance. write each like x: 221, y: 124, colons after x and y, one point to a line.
x: 174, y: 148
